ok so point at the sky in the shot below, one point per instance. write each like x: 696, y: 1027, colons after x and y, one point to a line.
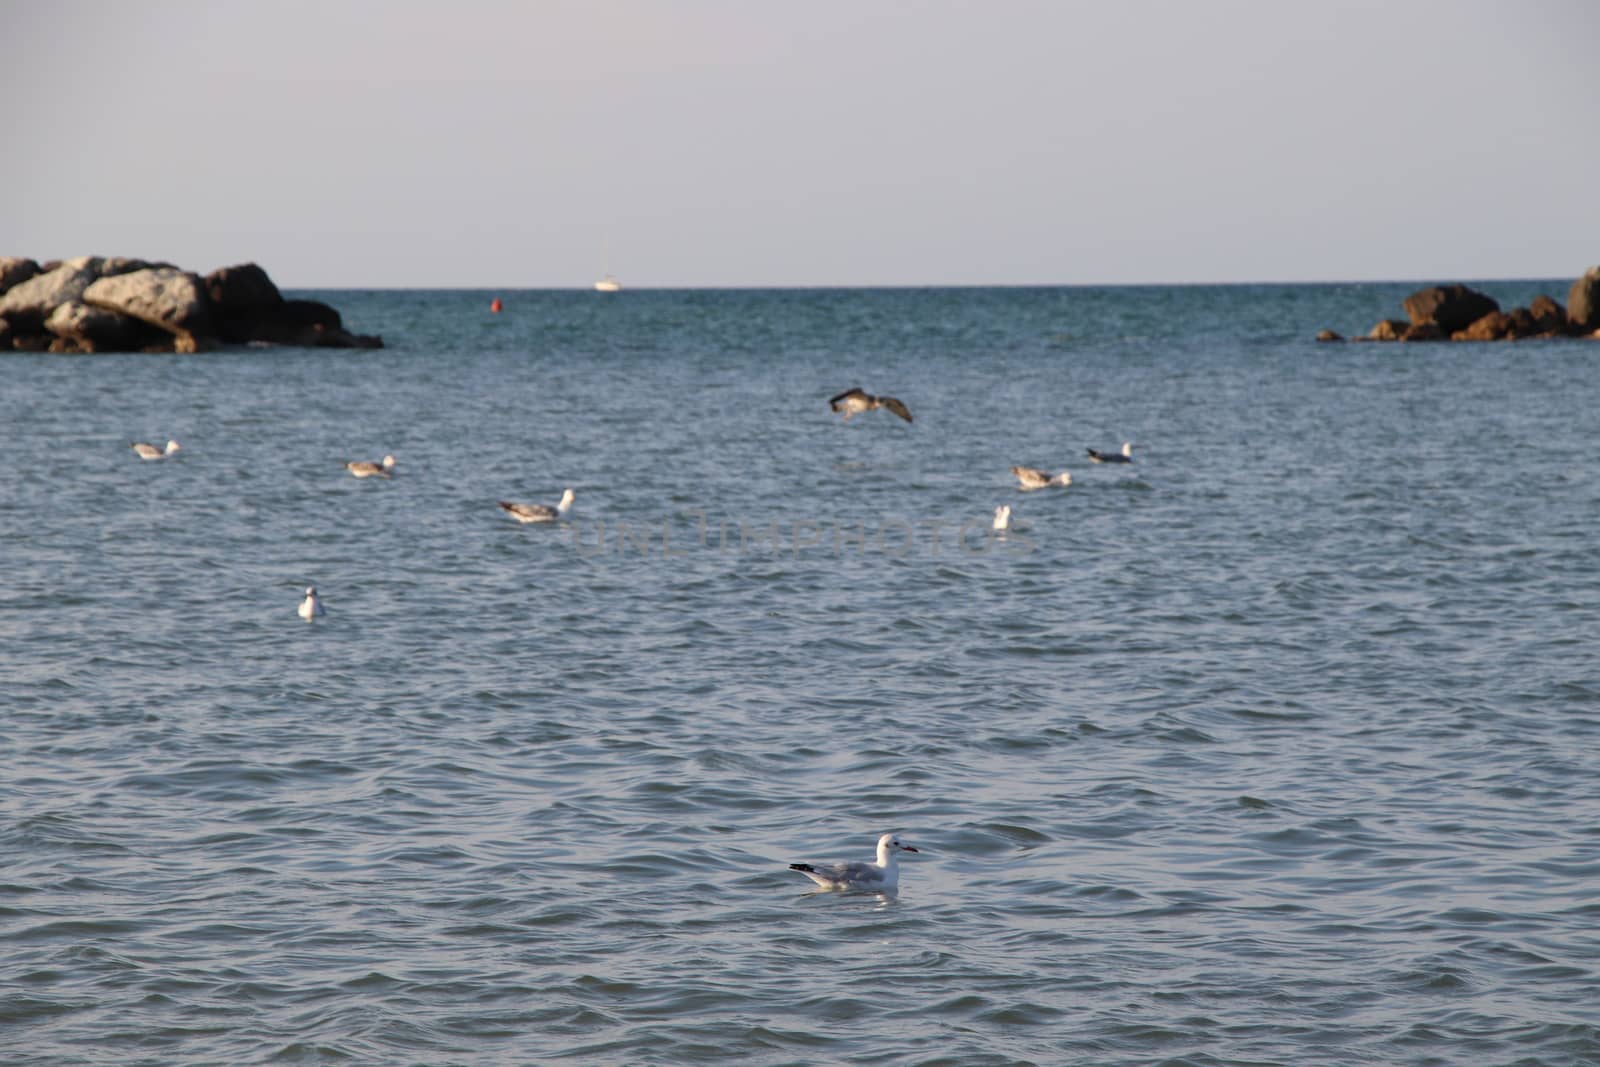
x: 738, y: 143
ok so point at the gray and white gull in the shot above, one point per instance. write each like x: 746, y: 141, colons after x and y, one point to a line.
x: 311, y: 606
x: 882, y: 876
x: 539, y: 512
x: 1125, y: 456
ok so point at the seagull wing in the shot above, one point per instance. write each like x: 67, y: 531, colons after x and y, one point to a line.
x: 529, y: 512
x: 836, y: 875
x: 895, y: 406
x: 833, y: 402
x: 1030, y: 477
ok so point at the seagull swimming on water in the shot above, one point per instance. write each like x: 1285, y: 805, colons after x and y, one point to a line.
x: 311, y: 606
x: 362, y: 468
x: 149, y: 451
x: 1002, y: 517
x: 1034, y: 478
x: 539, y: 512
x: 854, y: 402
x: 882, y: 876
x: 1125, y: 456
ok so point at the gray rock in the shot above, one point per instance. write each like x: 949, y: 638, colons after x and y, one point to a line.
x: 93, y: 329
x: 1583, y: 302
x: 32, y: 301
x: 172, y: 299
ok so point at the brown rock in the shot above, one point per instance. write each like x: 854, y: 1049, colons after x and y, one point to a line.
x: 1451, y: 307
x: 243, y: 300
x: 1388, y: 330
x: 1330, y: 335
x: 1424, y: 331
x: 242, y: 290
x: 1550, y: 316
x: 1494, y: 326
x: 15, y: 270
x: 1522, y: 324
x: 1583, y: 302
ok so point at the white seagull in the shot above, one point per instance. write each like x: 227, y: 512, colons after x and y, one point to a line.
x: 855, y: 401
x: 362, y: 468
x: 539, y: 512
x: 149, y: 451
x: 1125, y: 456
x: 882, y: 876
x: 1034, y: 478
x: 1002, y: 517
x: 311, y: 606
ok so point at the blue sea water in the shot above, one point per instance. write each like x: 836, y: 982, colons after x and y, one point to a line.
x: 1277, y: 746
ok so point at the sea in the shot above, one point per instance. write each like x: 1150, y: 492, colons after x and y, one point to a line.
x: 1279, y: 745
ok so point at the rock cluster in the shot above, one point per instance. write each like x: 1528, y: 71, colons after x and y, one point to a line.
x: 115, y: 304
x: 1458, y: 313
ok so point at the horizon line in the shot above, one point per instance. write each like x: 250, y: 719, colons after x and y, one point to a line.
x: 866, y: 286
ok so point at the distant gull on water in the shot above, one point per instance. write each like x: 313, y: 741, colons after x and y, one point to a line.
x: 882, y: 876
x: 1125, y: 456
x: 1002, y: 517
x: 149, y: 451
x: 311, y: 606
x: 363, y: 468
x: 855, y: 401
x: 1034, y: 478
x: 539, y: 512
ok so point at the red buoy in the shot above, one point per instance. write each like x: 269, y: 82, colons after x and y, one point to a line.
x: 494, y: 305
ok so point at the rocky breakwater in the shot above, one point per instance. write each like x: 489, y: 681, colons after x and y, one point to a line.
x: 1460, y: 313
x: 116, y: 304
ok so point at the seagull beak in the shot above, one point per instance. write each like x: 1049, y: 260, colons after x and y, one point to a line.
x: 907, y: 848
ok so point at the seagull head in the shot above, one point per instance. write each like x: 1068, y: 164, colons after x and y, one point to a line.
x: 889, y: 844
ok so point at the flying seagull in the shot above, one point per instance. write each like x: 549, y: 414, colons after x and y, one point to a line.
x: 539, y: 512
x: 854, y: 402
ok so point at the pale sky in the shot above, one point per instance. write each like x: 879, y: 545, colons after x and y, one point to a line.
x: 831, y: 142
